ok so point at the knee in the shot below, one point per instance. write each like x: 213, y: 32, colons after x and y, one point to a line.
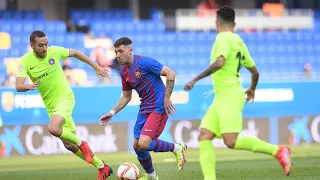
x: 54, y: 130
x: 143, y: 145
x: 205, y: 135
x: 136, y: 146
x: 230, y: 142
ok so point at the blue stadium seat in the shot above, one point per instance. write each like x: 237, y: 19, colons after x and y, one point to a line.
x: 187, y: 52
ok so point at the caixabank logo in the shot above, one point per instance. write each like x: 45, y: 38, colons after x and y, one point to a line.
x: 299, y: 130
x: 10, y: 141
x: 36, y: 140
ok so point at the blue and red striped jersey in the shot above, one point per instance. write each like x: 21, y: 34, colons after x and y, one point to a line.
x: 144, y: 77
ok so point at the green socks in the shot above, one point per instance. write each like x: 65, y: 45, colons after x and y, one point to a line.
x: 70, y: 137
x: 207, y: 159
x: 208, y: 155
x: 255, y: 145
x: 96, y: 161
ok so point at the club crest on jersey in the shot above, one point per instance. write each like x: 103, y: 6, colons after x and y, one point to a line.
x: 138, y: 74
x: 20, y: 69
x: 51, y: 61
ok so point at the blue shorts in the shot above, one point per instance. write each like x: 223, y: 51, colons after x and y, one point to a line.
x: 151, y: 124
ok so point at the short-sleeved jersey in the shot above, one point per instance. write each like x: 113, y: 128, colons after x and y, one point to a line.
x: 53, y: 85
x: 144, y: 76
x: 236, y: 54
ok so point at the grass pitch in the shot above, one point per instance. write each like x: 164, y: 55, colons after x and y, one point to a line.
x: 231, y: 165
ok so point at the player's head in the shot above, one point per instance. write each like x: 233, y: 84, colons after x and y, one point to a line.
x: 123, y: 50
x: 39, y: 43
x: 225, y: 18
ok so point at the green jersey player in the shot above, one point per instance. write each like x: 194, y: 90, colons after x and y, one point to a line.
x: 42, y: 65
x: 224, y: 117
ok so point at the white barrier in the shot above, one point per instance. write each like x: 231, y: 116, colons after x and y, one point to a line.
x: 189, y: 19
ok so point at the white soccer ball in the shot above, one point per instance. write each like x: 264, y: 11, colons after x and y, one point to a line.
x: 128, y: 171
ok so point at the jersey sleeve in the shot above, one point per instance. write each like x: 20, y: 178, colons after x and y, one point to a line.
x: 152, y: 65
x: 247, y: 61
x: 221, y: 48
x: 64, y: 52
x: 22, y: 72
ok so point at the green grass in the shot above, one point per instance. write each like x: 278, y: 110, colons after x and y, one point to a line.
x: 231, y: 165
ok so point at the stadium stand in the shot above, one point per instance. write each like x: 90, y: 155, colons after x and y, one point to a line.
x: 280, y: 55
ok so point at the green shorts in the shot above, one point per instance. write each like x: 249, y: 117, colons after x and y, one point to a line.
x: 64, y: 108
x: 225, y: 113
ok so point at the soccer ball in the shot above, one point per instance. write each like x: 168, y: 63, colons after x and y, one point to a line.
x: 128, y: 171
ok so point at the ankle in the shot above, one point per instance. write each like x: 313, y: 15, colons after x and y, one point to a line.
x: 176, y: 148
x: 80, y: 142
x: 153, y: 174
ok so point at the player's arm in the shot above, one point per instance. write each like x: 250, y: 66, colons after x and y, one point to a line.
x: 124, y: 100
x: 210, y: 69
x: 82, y: 57
x: 22, y: 87
x: 219, y: 53
x: 20, y: 79
x: 171, y: 76
x: 254, y: 77
x: 250, y: 65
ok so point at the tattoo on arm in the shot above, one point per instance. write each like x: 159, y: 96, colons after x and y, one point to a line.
x: 207, y: 72
x: 254, y: 81
x: 169, y: 88
x: 118, y: 106
x: 121, y: 104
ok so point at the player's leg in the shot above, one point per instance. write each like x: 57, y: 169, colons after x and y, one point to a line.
x: 61, y: 125
x: 143, y: 156
x: 282, y: 153
x: 230, y: 113
x: 209, y: 129
x: 75, y: 150
x: 148, y: 140
x: 104, y: 170
x: 56, y: 129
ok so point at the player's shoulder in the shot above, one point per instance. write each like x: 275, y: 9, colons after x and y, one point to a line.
x: 55, y: 48
x: 144, y: 62
x: 143, y: 59
x: 27, y: 57
x: 140, y: 58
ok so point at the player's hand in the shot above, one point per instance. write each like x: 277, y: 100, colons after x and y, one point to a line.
x: 102, y: 72
x: 189, y: 85
x: 250, y: 95
x: 105, y: 119
x: 170, y: 109
x: 34, y: 85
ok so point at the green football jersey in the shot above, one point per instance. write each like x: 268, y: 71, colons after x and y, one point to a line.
x: 236, y: 54
x: 53, y: 85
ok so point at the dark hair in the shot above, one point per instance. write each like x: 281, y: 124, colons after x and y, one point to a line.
x: 227, y: 14
x: 122, y: 41
x: 35, y: 34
